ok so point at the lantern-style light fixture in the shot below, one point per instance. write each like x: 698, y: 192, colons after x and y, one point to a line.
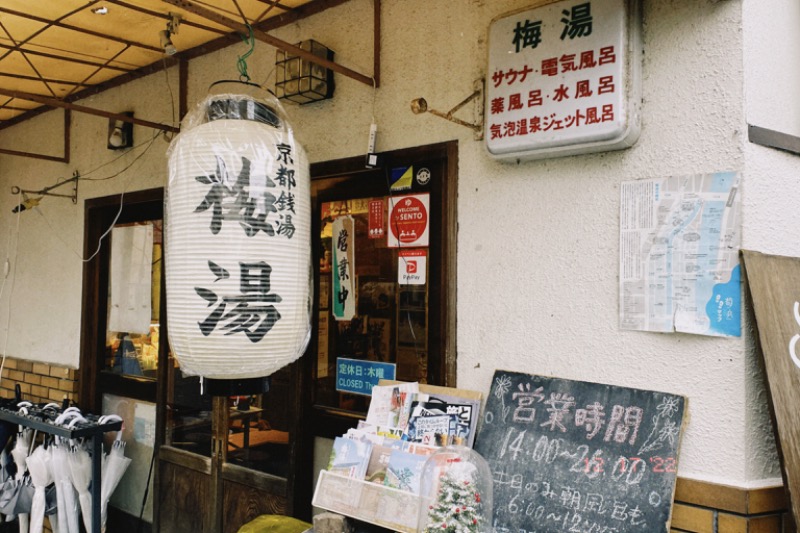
x: 302, y: 81
x: 238, y: 241
x: 120, y: 133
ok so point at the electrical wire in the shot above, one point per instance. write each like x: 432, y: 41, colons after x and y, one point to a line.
x: 11, y: 289
x: 171, y: 97
x: 119, y: 211
x: 241, y: 62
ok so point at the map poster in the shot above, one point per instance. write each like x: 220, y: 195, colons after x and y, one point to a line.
x: 679, y: 254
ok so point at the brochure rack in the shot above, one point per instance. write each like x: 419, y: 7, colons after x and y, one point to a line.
x: 43, y: 420
x: 369, y: 502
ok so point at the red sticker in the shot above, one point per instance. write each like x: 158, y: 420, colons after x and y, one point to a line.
x: 408, y: 221
x: 376, y: 225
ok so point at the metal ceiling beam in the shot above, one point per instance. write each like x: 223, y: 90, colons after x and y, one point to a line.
x: 48, y: 80
x: 164, y: 16
x: 52, y: 102
x: 271, y: 5
x: 58, y: 159
x: 273, y: 41
x: 48, y: 25
x: 60, y: 58
x: 80, y: 30
x: 314, y: 7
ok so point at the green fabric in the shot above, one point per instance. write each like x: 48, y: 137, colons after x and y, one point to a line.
x: 271, y: 523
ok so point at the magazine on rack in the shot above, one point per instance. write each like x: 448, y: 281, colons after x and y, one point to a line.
x: 442, y: 420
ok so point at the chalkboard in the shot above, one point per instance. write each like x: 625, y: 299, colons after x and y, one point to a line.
x: 573, y: 456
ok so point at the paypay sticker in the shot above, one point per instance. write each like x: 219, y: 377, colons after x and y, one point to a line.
x: 412, y: 267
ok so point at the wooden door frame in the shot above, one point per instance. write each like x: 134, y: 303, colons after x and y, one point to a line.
x: 446, y: 286
x: 100, y: 214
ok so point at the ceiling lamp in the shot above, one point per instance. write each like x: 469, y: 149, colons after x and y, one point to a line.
x: 301, y: 81
x: 165, y: 36
x: 120, y: 133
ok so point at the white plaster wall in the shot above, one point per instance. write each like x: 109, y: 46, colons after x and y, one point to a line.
x: 772, y: 187
x: 537, y: 242
x: 772, y: 53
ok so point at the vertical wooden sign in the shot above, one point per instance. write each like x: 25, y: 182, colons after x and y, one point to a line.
x: 774, y: 283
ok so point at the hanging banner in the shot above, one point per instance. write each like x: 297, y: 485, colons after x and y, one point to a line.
x: 343, y: 301
x: 408, y: 221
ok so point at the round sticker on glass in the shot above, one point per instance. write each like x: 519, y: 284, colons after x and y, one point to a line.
x: 423, y: 176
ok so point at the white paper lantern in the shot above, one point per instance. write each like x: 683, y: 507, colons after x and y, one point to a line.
x: 238, y: 241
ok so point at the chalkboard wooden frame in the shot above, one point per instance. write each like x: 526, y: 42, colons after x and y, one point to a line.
x: 575, y: 456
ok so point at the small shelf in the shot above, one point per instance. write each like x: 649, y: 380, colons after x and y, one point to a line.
x: 369, y: 502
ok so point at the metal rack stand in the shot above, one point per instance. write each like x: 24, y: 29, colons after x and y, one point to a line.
x: 42, y: 420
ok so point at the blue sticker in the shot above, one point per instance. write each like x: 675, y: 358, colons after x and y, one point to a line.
x: 358, y: 377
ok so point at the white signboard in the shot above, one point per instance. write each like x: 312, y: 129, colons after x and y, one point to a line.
x: 564, y: 79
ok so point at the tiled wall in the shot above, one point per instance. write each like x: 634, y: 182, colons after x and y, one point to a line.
x: 39, y: 382
x: 708, y: 508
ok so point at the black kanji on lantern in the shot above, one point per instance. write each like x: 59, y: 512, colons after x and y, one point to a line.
x: 234, y: 200
x: 251, y: 312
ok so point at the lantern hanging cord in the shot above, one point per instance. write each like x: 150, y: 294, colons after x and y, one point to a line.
x: 241, y: 62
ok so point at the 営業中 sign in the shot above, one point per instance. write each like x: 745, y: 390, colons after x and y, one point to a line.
x: 564, y: 79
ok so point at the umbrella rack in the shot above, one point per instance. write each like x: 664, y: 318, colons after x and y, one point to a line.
x: 43, y: 421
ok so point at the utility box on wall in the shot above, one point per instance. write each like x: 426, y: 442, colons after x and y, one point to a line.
x: 564, y: 79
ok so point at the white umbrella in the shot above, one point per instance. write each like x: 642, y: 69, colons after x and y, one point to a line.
x: 80, y: 473
x: 66, y: 497
x: 41, y: 475
x: 20, y: 454
x: 114, y: 468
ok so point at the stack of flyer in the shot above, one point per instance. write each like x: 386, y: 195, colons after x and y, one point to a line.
x: 404, y: 426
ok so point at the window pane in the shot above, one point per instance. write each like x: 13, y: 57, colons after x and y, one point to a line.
x: 139, y: 430
x: 258, y: 433
x: 188, y: 413
x: 134, y: 289
x: 390, y: 324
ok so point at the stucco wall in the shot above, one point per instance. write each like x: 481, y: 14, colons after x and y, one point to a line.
x: 537, y: 241
x: 772, y: 186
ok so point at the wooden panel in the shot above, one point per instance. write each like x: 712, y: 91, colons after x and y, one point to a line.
x: 186, y: 459
x: 774, y: 283
x: 242, y: 504
x: 184, y: 499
